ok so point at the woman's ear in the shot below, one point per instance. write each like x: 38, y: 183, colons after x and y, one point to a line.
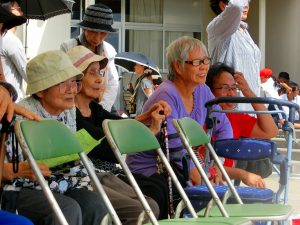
x: 177, y: 67
x: 222, y: 5
x: 40, y: 94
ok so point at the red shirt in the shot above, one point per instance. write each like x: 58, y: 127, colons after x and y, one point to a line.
x: 242, y: 125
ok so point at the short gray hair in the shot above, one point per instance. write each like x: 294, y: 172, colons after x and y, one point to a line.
x: 179, y: 51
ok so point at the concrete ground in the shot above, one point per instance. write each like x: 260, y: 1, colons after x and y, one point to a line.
x: 294, y: 191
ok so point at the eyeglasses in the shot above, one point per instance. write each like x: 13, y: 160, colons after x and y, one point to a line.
x: 295, y: 89
x: 227, y: 89
x: 198, y: 62
x: 73, y: 85
x: 95, y: 72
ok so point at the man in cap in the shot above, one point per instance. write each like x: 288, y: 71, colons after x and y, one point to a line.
x: 13, y: 53
x: 97, y: 24
x: 268, y: 86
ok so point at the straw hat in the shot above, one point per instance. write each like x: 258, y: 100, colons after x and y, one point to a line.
x: 49, y: 69
x: 82, y: 57
x: 98, y: 18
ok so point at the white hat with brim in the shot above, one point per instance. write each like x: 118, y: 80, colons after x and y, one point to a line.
x: 82, y: 57
x: 49, y: 69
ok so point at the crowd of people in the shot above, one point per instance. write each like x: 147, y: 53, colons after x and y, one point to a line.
x: 77, y: 86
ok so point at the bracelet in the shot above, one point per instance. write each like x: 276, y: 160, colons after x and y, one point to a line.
x: 12, y: 91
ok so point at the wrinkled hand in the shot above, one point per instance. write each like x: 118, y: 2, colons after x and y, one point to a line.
x: 253, y: 180
x: 24, y: 171
x: 6, y: 104
x: 164, y: 106
x: 218, y: 179
x: 242, y: 84
x: 25, y: 112
x: 158, y: 115
x: 9, y: 107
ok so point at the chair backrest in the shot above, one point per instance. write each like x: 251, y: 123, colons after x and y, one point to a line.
x: 52, y: 139
x: 193, y: 132
x: 131, y: 137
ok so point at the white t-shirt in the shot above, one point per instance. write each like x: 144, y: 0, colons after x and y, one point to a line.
x: 287, y: 109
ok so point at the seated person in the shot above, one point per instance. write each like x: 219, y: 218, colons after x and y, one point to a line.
x: 225, y: 82
x: 52, y: 86
x: 90, y: 115
x: 53, y: 93
x: 185, y: 91
x: 7, y: 106
x: 292, y: 94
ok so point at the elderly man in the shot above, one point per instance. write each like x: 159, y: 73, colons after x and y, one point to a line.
x: 96, y: 25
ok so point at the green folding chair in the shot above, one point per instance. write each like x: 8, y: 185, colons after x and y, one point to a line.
x: 192, y: 135
x: 51, y: 139
x: 138, y: 138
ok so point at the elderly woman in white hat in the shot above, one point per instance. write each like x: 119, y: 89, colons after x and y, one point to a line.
x: 53, y: 82
x: 90, y: 116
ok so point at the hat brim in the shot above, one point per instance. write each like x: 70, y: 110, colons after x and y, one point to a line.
x: 10, y: 20
x: 96, y: 27
x: 95, y: 58
x: 51, y: 81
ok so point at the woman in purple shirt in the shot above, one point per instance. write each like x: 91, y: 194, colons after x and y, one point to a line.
x: 186, y: 93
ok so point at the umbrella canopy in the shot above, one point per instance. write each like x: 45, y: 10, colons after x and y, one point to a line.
x: 127, y: 60
x: 44, y: 9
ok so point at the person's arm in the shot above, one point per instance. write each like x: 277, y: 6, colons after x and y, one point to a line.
x: 250, y: 179
x: 23, y: 172
x: 228, y: 22
x: 16, y: 53
x: 265, y: 126
x: 19, y: 61
x: 112, y: 86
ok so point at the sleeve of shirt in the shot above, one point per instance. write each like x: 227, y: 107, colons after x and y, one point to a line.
x: 227, y: 23
x: 112, y: 87
x: 19, y: 60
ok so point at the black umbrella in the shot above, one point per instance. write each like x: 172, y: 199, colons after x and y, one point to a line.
x: 44, y: 9
x: 127, y: 60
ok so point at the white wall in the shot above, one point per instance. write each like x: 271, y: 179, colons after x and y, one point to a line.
x: 45, y: 35
x: 283, y: 37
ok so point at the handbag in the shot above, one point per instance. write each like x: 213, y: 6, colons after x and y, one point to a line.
x: 132, y: 104
x: 261, y: 167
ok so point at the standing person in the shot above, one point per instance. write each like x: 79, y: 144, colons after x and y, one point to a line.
x: 229, y: 41
x: 143, y: 87
x: 97, y: 24
x: 13, y: 53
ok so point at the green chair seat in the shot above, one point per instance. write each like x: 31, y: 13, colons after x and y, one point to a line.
x: 262, y: 212
x: 204, y: 221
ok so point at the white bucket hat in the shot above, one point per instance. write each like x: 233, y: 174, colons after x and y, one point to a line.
x: 48, y: 69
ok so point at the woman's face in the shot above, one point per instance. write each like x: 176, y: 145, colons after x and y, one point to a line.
x: 92, y: 81
x: 225, y: 86
x: 245, y: 12
x: 139, y: 69
x: 60, y: 97
x: 194, y: 71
